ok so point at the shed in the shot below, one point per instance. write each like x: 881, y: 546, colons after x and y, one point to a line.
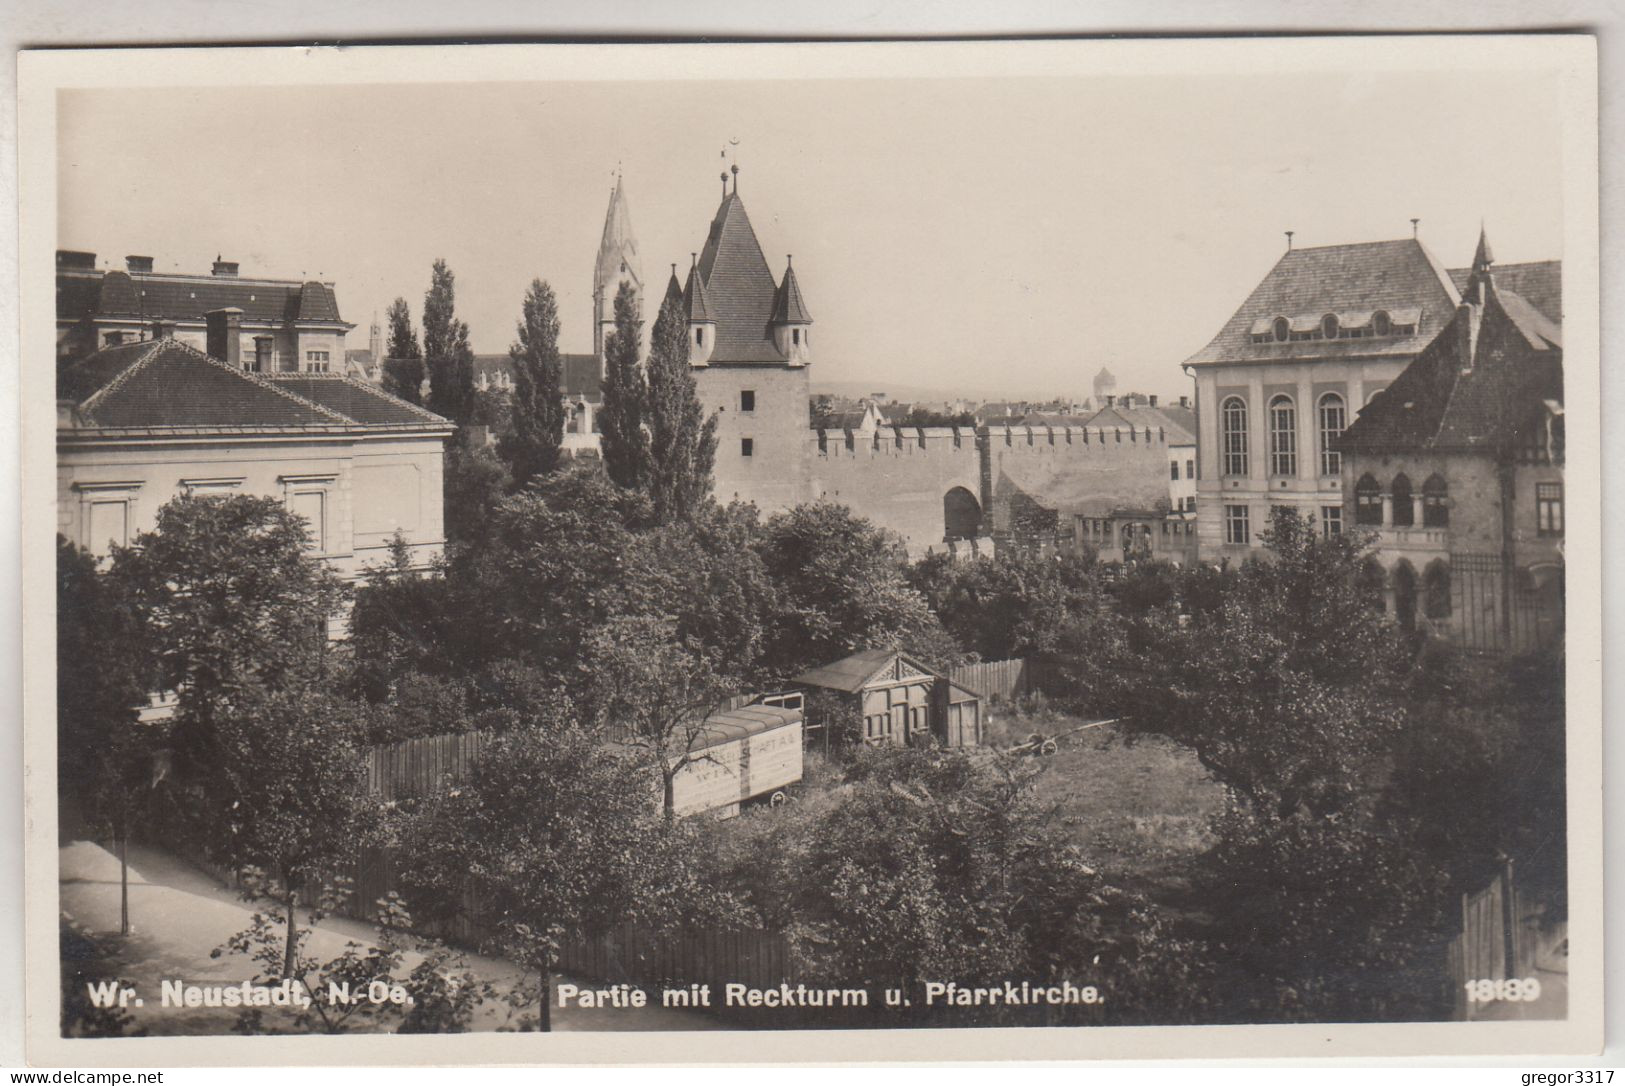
x: 899, y: 701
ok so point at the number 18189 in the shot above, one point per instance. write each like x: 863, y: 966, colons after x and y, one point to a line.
x: 1526, y: 990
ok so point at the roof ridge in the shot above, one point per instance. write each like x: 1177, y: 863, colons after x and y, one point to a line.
x: 368, y: 387
x: 262, y: 381
x: 88, y: 406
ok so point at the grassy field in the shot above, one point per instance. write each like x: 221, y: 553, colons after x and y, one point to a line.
x: 1138, y: 806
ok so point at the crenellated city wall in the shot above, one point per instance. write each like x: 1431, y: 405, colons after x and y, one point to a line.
x: 899, y: 476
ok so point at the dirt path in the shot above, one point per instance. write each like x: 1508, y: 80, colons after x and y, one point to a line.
x: 180, y: 913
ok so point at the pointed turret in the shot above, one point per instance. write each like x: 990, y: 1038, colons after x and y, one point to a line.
x: 702, y: 321
x: 791, y: 322
x: 1482, y: 278
x: 617, y: 263
x: 674, y: 290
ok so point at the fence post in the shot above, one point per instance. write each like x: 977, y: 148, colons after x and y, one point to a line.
x: 1509, y: 921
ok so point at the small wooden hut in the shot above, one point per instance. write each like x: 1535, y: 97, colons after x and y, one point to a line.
x: 899, y: 701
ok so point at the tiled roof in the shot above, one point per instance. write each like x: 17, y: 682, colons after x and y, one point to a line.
x: 739, y: 287
x: 695, y: 302
x: 1539, y: 283
x: 167, y: 385
x: 355, y: 400
x: 1148, y: 418
x: 117, y: 293
x: 1492, y: 400
x: 1344, y: 279
x: 850, y: 673
x: 788, y: 306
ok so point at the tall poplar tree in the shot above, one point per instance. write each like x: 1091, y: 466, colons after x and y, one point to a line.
x: 682, y: 441
x: 625, y: 444
x: 532, y: 448
x: 403, y: 358
x: 446, y: 348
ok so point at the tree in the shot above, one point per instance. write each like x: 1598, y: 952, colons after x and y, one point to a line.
x: 554, y: 832
x: 537, y: 406
x: 682, y: 441
x: 287, y: 795
x: 476, y: 480
x: 920, y: 415
x: 403, y: 361
x: 624, y: 442
x: 446, y: 348
x: 229, y: 598
x: 1018, y: 603
x: 653, y: 692
x: 841, y: 588
x: 106, y: 760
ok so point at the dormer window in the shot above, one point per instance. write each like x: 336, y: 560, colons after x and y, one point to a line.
x: 1328, y: 326
x: 1282, y: 329
x: 1380, y: 324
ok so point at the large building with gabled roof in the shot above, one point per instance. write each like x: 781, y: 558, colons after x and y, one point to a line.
x: 143, y: 422
x: 285, y: 325
x: 1325, y: 331
x: 1457, y: 467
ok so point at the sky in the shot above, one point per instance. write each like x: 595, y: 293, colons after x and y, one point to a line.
x: 992, y: 236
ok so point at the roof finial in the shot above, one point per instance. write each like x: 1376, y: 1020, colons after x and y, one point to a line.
x: 1289, y: 234
x: 1484, y: 257
x: 724, y: 176
x: 693, y: 260
x: 734, y: 169
x: 789, y: 258
x: 1416, y: 227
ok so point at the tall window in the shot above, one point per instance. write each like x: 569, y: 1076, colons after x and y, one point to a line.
x: 1283, y: 436
x: 1404, y: 513
x: 1331, y: 520
x: 1190, y: 469
x: 1235, y: 525
x: 1233, y: 430
x: 1549, y: 508
x: 1173, y: 469
x: 1367, y: 502
x: 1333, y: 419
x: 312, y: 505
x: 747, y: 446
x: 747, y: 400
x: 1435, y: 503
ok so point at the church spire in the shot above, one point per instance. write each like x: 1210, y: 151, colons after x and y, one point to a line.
x: 617, y: 263
x: 1483, y: 259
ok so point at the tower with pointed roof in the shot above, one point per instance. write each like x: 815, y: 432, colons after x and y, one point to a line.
x: 617, y: 263
x: 749, y: 345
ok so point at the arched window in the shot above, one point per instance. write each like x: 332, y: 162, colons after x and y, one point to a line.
x: 1328, y: 326
x: 1282, y: 329
x: 1404, y: 516
x: 1405, y: 595
x: 1283, y: 436
x: 1380, y: 324
x: 1333, y: 419
x: 961, y: 515
x: 1233, y: 427
x: 1367, y: 501
x: 1435, y: 502
x: 1436, y: 590
x: 1372, y: 583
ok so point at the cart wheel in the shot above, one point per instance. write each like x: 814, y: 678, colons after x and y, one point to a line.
x: 1049, y: 747
x: 778, y: 799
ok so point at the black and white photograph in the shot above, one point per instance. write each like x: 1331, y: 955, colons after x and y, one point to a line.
x: 928, y: 547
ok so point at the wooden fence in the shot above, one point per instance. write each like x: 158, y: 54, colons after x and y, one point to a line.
x: 1002, y: 679
x: 418, y: 767
x: 1500, y: 938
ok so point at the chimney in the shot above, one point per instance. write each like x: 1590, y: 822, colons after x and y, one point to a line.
x: 262, y: 354
x: 1151, y: 401
x: 225, y: 267
x: 225, y: 336
x: 1111, y: 401
x: 138, y: 264
x: 163, y: 328
x: 74, y: 258
x: 1184, y: 401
